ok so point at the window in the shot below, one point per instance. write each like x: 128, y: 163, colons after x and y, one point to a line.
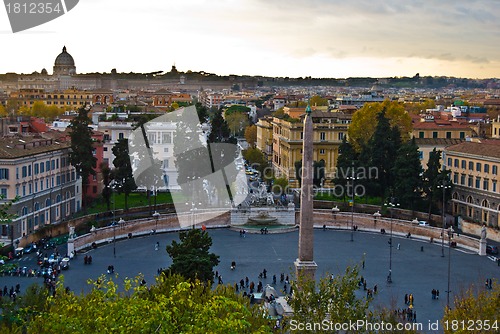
x: 24, y: 190
x: 3, y: 192
x: 30, y: 189
x: 94, y: 189
x: 37, y: 169
x: 494, y: 169
x: 165, y: 149
x: 36, y: 187
x: 152, y: 138
x: 41, y: 184
x: 455, y: 178
x: 462, y: 179
x: 120, y: 135
x: 302, y: 135
x: 57, y: 163
x: 322, y: 136
x: 494, y: 186
x: 421, y: 134
x: 166, y: 138
x: 53, y: 164
x: 322, y: 151
x: 486, y: 168
x: 462, y: 135
x: 478, y: 166
x: 341, y: 136
x: 469, y: 181
x: 58, y: 180
x: 165, y: 163
x: 24, y: 172
x: 471, y: 165
x: 420, y: 155
x: 47, y: 166
x: 449, y: 162
x: 434, y: 134
x: 448, y: 134
x: 42, y: 167
x: 464, y: 164
x: 486, y: 183
x: 29, y: 170
x: 4, y: 174
x: 105, y: 149
x: 478, y: 182
x: 455, y: 163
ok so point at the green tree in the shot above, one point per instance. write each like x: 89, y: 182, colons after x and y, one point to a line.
x: 220, y: 132
x: 478, y: 305
x: 258, y: 161
x: 381, y: 153
x: 107, y: 178
x: 7, y: 217
x: 280, y: 185
x: 433, y: 177
x: 3, y: 111
x: 202, y: 112
x: 251, y: 135
x: 332, y: 298
x: 407, y: 173
x: 124, y: 179
x: 237, y: 122
x: 347, y: 156
x: 318, y: 172
x: 191, y: 257
x: 317, y: 100
x: 364, y: 122
x: 171, y: 305
x: 82, y: 144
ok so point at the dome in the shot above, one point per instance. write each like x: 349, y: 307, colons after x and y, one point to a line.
x: 64, y: 59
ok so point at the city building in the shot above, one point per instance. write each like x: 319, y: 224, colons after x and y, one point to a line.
x: 329, y: 129
x: 37, y: 169
x: 474, y: 171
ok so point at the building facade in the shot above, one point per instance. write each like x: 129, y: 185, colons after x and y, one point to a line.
x: 474, y: 171
x: 37, y: 170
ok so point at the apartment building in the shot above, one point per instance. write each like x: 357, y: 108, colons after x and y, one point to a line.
x: 37, y: 169
x: 474, y: 171
x: 329, y: 130
x: 265, y: 136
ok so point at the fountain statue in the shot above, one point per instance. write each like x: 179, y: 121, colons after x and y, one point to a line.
x: 262, y: 218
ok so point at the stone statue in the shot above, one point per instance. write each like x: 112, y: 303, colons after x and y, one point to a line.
x: 71, y: 231
x: 483, y: 232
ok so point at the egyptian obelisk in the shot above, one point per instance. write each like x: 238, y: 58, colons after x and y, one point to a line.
x: 305, y: 267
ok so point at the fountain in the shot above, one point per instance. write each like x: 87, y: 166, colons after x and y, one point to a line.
x: 262, y: 218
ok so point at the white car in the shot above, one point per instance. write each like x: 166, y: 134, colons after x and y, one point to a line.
x: 423, y: 223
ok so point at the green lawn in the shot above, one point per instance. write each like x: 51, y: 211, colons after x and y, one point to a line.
x: 134, y: 200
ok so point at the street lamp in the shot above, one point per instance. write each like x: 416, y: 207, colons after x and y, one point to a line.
x: 352, y: 178
x: 156, y: 216
x: 393, y: 203
x: 444, y: 185
x: 450, y: 235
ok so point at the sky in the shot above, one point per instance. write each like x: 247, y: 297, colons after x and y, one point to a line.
x: 287, y: 38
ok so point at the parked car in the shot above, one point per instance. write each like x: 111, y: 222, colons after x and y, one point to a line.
x: 490, y: 249
x: 423, y: 223
x: 30, y: 248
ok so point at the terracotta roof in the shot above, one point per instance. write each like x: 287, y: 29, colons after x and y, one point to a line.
x: 17, y: 147
x: 438, y: 141
x: 489, y: 148
x: 441, y: 125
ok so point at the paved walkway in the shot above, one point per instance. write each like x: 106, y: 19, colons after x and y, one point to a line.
x: 414, y: 271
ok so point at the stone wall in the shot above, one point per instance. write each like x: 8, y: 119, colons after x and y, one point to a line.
x: 286, y: 216
x: 475, y: 229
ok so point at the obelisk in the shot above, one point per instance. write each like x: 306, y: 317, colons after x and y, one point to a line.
x: 305, y: 267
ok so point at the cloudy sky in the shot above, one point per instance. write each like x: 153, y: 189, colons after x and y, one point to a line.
x: 318, y: 38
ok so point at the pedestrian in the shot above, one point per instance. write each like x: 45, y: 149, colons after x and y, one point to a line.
x: 220, y: 279
x: 236, y: 287
x: 406, y: 299
x: 433, y: 293
x: 157, y: 246
x: 246, y: 281
x: 490, y: 284
x: 399, y: 246
x: 282, y: 277
x: 285, y: 288
x: 274, y: 279
x: 375, y: 288
x: 437, y: 294
x: 364, y: 285
x: 252, y: 286
x: 216, y: 273
x: 498, y: 261
x: 363, y: 264
x: 264, y: 272
x: 242, y: 284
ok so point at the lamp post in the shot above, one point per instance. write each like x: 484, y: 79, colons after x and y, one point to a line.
x: 156, y: 216
x: 444, y: 185
x: 450, y: 235
x: 393, y: 203
x: 352, y: 178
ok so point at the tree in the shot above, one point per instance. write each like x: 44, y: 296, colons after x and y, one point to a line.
x: 482, y: 304
x: 381, y: 153
x: 82, y: 145
x: 332, y: 298
x: 318, y: 172
x: 434, y: 177
x: 124, y: 179
x: 347, y: 156
x: 107, y: 178
x: 407, y: 173
x: 3, y: 111
x: 237, y: 122
x: 257, y: 160
x: 318, y: 101
x: 364, y: 122
x: 171, y: 305
x: 220, y: 132
x: 251, y: 135
x: 6, y: 217
x: 191, y: 257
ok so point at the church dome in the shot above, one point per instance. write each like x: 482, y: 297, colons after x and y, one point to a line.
x: 64, y: 59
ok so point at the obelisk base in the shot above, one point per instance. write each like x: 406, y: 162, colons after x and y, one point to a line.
x: 305, y: 269
x: 482, y: 247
